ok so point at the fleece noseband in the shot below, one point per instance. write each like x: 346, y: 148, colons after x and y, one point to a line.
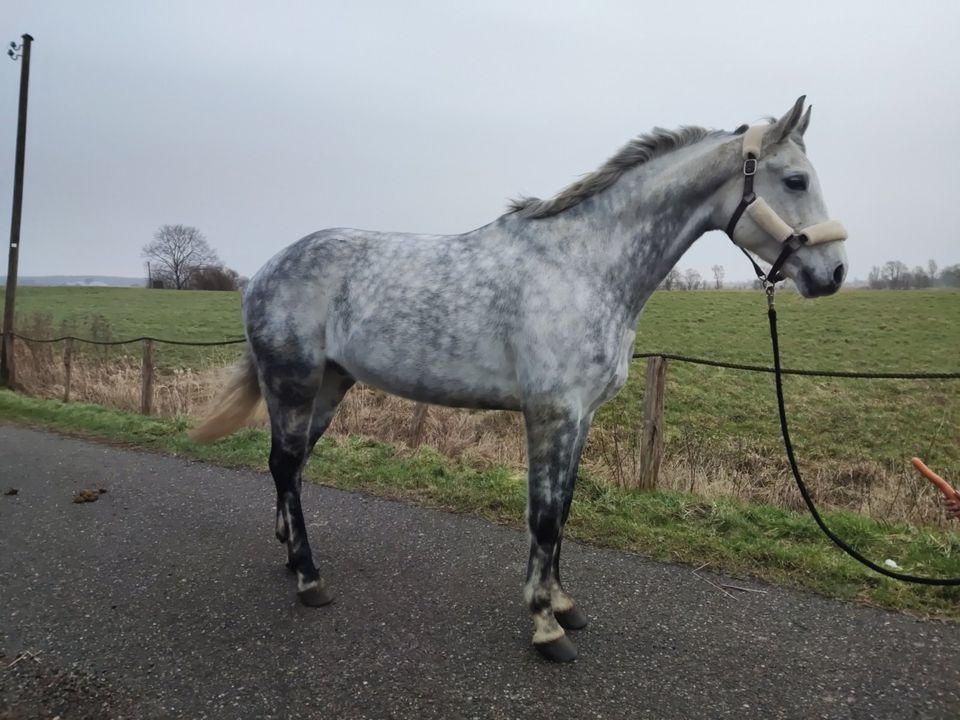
x: 766, y: 217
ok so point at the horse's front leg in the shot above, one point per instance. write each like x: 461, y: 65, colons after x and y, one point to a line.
x: 553, y: 438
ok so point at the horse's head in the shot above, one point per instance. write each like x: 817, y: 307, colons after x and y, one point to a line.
x: 788, y: 210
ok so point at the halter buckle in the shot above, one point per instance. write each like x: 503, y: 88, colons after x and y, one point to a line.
x: 750, y: 166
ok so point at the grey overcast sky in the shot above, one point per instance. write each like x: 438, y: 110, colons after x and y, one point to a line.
x: 259, y: 122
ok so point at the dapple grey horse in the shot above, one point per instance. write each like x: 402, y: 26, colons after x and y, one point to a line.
x: 535, y: 312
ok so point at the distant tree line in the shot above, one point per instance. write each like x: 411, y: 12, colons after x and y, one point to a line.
x: 179, y: 257
x: 690, y: 279
x: 895, y: 275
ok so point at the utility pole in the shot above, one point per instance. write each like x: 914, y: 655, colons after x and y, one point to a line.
x: 7, y: 375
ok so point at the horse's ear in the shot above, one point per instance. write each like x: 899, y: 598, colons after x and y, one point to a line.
x: 804, y: 122
x: 789, y: 122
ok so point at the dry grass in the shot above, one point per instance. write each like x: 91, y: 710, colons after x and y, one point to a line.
x: 477, y: 438
x: 739, y: 470
x: 474, y: 437
x: 102, y: 379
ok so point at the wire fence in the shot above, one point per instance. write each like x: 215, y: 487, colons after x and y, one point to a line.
x: 141, y: 381
x: 864, y: 375
x: 888, y: 375
x: 130, y: 341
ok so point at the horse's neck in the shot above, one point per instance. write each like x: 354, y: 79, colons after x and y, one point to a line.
x: 637, y: 230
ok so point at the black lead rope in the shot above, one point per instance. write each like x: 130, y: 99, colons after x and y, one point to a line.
x: 772, y: 314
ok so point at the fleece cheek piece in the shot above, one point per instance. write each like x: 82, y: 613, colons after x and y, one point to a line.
x: 824, y: 232
x: 764, y: 216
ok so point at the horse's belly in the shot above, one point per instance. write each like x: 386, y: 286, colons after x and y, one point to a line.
x: 481, y: 381
x: 459, y: 396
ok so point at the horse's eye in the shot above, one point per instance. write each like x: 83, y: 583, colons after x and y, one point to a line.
x: 796, y: 182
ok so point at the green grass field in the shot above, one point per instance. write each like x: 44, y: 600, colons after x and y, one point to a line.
x: 189, y: 315
x: 720, y: 414
x: 131, y: 312
x: 839, y: 420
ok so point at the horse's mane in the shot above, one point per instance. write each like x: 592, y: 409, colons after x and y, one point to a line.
x: 644, y: 148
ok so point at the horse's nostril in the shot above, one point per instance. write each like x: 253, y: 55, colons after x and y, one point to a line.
x: 838, y: 274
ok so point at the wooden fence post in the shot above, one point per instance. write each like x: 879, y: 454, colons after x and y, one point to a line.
x: 146, y: 391
x: 651, y: 439
x: 419, y: 420
x: 67, y: 366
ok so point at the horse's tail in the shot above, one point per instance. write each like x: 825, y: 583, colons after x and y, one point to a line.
x: 237, y: 400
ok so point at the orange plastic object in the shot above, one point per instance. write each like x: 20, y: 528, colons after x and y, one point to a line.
x: 942, y: 485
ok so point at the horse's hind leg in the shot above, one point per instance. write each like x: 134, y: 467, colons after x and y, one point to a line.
x: 553, y: 437
x: 334, y: 386
x: 290, y: 401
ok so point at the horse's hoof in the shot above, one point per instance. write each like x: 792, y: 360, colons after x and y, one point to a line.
x: 560, y: 650
x: 316, y: 596
x: 571, y: 619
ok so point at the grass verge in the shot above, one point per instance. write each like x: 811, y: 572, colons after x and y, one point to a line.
x: 761, y: 541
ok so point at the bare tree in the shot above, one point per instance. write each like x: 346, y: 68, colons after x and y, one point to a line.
x: 717, y: 276
x: 177, y: 252
x: 950, y: 276
x: 932, y: 271
x: 672, y: 281
x: 896, y: 275
x: 919, y: 278
x: 692, y: 279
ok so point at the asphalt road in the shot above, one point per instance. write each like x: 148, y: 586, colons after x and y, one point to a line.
x: 168, y: 598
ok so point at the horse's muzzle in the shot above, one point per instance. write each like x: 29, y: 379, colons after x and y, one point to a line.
x: 812, y: 286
